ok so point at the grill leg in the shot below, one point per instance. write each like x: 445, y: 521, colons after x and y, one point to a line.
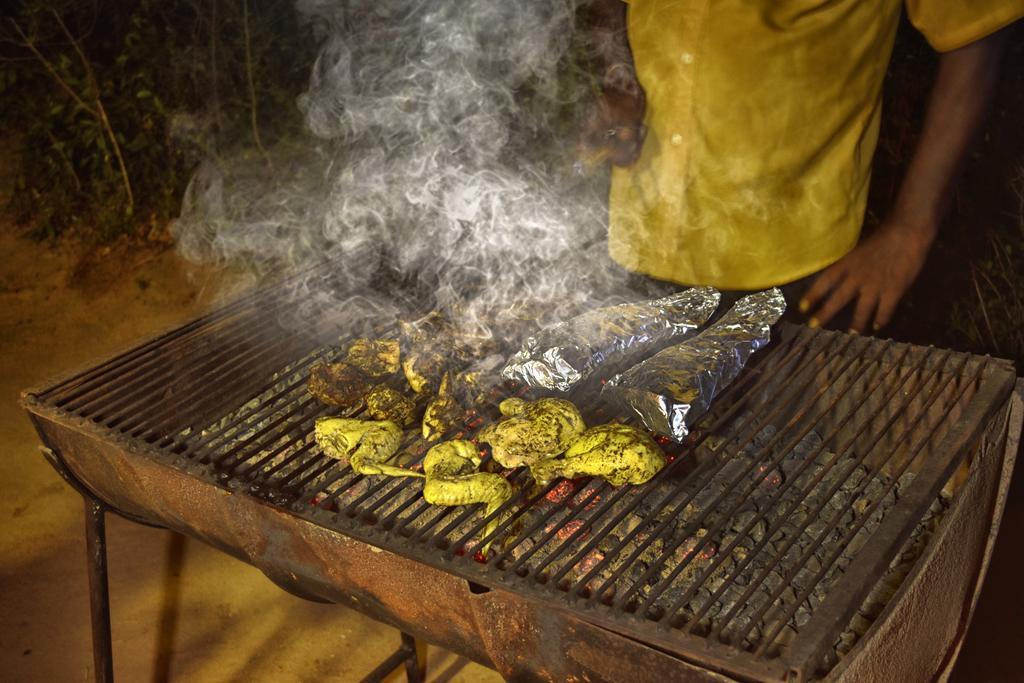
x: 415, y: 666
x: 408, y: 654
x: 99, y: 595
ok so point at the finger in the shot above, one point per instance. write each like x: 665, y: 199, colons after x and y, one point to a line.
x: 834, y: 303
x: 821, y: 286
x: 886, y: 308
x: 866, y: 305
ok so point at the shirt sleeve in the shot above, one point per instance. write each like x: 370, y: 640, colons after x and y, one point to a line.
x: 950, y: 24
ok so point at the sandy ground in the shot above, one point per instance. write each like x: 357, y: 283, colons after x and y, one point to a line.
x: 181, y: 611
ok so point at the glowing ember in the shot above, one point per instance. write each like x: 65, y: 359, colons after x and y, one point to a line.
x: 709, y: 551
x: 580, y: 497
x: 318, y: 498
x: 588, y: 562
x: 769, y: 477
x: 568, y: 529
x: 562, y: 491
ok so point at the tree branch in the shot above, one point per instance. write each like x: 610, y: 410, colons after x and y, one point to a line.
x: 100, y: 111
x: 252, y: 82
x: 27, y: 42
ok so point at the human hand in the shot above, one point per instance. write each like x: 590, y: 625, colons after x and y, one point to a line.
x: 875, y: 275
x: 613, y: 128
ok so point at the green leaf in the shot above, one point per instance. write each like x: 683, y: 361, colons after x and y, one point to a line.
x: 143, y: 94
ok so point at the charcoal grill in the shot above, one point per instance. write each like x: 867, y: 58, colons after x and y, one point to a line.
x: 748, y: 557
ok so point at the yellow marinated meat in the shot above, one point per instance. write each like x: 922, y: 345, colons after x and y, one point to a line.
x: 366, y: 445
x: 618, y: 453
x: 532, y: 430
x: 339, y: 384
x: 374, y: 357
x: 453, y: 479
x: 424, y: 369
x: 385, y: 403
x: 442, y: 412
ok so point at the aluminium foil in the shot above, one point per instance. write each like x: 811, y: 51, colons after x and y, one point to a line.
x: 674, y: 387
x: 562, y: 355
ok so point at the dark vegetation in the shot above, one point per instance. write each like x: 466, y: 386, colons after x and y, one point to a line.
x: 114, y: 102
x: 971, y: 293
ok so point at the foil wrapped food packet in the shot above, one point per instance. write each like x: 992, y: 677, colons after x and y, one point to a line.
x: 674, y: 387
x: 562, y: 355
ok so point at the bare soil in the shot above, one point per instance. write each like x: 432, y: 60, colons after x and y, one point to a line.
x: 181, y: 611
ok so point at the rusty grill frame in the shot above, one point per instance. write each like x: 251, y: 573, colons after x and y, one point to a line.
x: 253, y: 338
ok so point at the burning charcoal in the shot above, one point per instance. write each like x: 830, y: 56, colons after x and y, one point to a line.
x: 674, y: 387
x: 620, y: 454
x: 586, y: 564
x: 770, y: 478
x: 585, y: 494
x: 338, y: 384
x: 561, y: 356
x: 384, y: 403
x: 562, y: 491
x: 566, y: 530
x: 374, y: 357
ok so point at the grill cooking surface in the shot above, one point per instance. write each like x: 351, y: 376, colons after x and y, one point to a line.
x: 749, y: 553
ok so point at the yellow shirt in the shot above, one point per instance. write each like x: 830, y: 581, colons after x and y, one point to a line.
x: 762, y: 119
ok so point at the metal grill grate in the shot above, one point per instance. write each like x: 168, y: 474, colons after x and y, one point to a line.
x: 749, y: 553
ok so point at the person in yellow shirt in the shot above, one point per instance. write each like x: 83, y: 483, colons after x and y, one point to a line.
x: 741, y: 134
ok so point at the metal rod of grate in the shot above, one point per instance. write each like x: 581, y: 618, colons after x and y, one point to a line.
x: 230, y: 396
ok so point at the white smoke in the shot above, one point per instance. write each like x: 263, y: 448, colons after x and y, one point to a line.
x: 436, y: 135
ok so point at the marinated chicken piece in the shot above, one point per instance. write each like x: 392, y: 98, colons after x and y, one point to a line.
x: 366, y: 445
x: 532, y: 431
x: 385, y: 403
x: 443, y: 411
x: 453, y: 479
x: 374, y: 357
x: 424, y: 369
x: 427, y: 329
x: 618, y: 453
x: 338, y: 384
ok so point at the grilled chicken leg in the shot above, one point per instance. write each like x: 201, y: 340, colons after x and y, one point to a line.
x: 618, y: 453
x: 533, y: 430
x: 367, y: 445
x: 453, y: 479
